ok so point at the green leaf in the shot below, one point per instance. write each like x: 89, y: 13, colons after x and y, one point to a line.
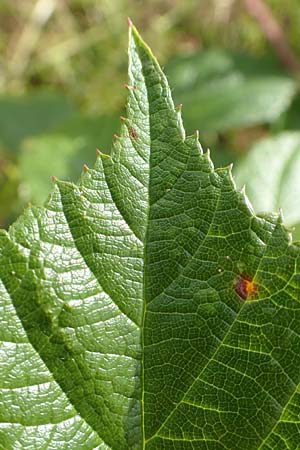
x: 222, y: 91
x: 147, y: 307
x: 271, y: 173
x: 24, y: 116
x: 62, y: 153
x: 9, y: 182
x: 290, y: 120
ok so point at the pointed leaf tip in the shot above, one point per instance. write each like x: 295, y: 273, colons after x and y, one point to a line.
x: 54, y: 178
x: 85, y: 168
x: 129, y: 22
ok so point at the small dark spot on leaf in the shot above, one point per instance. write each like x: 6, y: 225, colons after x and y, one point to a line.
x: 132, y: 133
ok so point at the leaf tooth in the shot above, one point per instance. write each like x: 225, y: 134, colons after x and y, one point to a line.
x: 247, y: 200
x: 180, y: 126
x: 287, y: 230
x: 193, y: 141
x: 54, y: 178
x: 85, y: 168
x: 243, y: 189
x: 100, y: 154
x: 128, y: 87
x: 208, y: 158
x: 227, y: 172
x: 230, y: 167
x: 280, y: 216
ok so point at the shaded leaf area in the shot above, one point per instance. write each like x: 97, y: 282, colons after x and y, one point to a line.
x: 62, y: 153
x: 123, y: 323
x: 290, y: 120
x: 270, y: 172
x: 221, y: 91
x: 23, y: 116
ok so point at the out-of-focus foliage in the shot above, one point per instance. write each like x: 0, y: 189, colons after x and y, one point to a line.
x: 271, y: 173
x: 63, y: 67
x: 62, y: 153
x: 27, y: 115
x: 221, y: 91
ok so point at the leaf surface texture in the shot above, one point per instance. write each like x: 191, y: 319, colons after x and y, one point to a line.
x: 128, y: 321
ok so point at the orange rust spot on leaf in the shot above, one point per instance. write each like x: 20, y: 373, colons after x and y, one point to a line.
x: 245, y: 287
x: 133, y: 133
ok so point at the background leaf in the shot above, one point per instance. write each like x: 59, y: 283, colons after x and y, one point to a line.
x: 221, y: 90
x: 62, y: 153
x: 27, y: 115
x: 271, y: 173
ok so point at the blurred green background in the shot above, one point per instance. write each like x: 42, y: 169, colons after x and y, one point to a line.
x: 233, y: 64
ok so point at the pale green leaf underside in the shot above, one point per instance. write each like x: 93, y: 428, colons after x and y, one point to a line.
x: 121, y: 325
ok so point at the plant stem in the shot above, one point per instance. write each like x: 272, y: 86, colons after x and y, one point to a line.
x: 273, y: 32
